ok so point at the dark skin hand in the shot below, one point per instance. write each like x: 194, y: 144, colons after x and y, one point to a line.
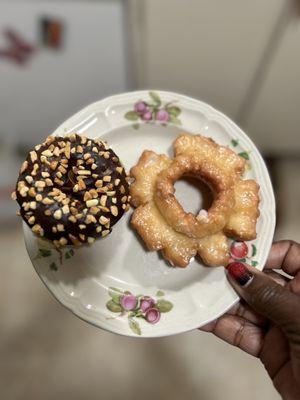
x: 266, y: 322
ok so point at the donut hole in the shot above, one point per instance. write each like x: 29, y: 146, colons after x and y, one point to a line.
x: 193, y: 194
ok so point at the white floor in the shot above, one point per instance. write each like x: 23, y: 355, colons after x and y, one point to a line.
x: 47, y: 353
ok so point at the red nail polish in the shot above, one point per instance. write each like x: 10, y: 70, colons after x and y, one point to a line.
x: 239, y: 272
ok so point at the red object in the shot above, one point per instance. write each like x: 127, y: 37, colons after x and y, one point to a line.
x: 239, y: 249
x: 18, y: 49
x: 239, y: 272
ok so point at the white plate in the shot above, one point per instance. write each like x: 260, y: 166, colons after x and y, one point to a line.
x: 199, y: 294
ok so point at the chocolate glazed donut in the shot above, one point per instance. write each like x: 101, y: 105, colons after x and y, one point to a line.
x: 72, y: 190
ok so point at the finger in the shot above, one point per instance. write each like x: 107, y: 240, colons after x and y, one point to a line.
x: 241, y: 309
x: 278, y: 278
x: 237, y: 332
x: 266, y: 297
x: 284, y: 255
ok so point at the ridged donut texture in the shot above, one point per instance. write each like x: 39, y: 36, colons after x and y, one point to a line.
x: 72, y: 190
x: 162, y: 222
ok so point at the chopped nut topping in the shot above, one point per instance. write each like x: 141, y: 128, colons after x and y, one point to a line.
x: 99, y: 229
x: 56, y: 151
x: 72, y: 219
x: 95, y: 176
x: 62, y: 169
x: 84, y: 172
x: 111, y: 193
x: 32, y: 192
x: 114, y: 210
x: 83, y: 139
x: 94, y: 193
x: 103, y: 220
x: 60, y: 227
x: 87, y: 196
x: 63, y: 241
x: 68, y: 150
x: 14, y: 195
x: 65, y: 209
x: 53, y: 165
x: 124, y: 199
x: 73, y: 150
x: 29, y: 179
x: 31, y: 220
x: 90, y: 161
x: 76, y: 188
x: 94, y: 149
x: 103, y: 199
x: 32, y: 205
x: 35, y: 168
x: 59, y: 174
x: 82, y: 236
x: 106, y: 155
x: 94, y: 210
x: 86, y: 156
x: 79, y: 149
x: 107, y: 178
x: 114, y: 200
x: 54, y: 229
x: 45, y: 174
x: 23, y: 191
x: 58, y: 181
x: 48, y: 182
x: 99, y: 183
x: 57, y: 214
x: 91, y: 203
x: 115, y: 159
x: 81, y: 185
x: 47, y: 153
x: 33, y: 156
x: 23, y: 167
x: 38, y: 229
x: 90, y: 219
x: 48, y: 212
x: 79, y: 216
x: 90, y: 239
x: 105, y: 233
x: 122, y: 189
x: 94, y: 166
x: 50, y: 139
x: 39, y: 197
x: 72, y: 137
x: 37, y: 147
x: 82, y: 226
x: 117, y: 181
x: 119, y: 169
x: 47, y: 201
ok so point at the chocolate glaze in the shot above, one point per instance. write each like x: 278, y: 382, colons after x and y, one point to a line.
x: 77, y: 158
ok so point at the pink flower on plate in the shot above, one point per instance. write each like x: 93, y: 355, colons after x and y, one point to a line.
x: 128, y: 302
x: 239, y: 249
x: 152, y: 315
x: 146, y: 303
x: 140, y: 107
x: 162, y: 116
x: 147, y: 116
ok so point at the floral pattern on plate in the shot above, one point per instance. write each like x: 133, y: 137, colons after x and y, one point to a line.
x: 54, y: 256
x: 154, y: 111
x: 137, y: 307
x: 243, y: 252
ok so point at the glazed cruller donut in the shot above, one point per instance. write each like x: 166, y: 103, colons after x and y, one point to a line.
x: 72, y: 190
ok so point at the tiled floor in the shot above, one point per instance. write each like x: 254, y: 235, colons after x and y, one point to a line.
x: 47, y: 353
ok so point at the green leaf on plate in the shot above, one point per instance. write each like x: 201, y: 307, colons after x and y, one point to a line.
x: 164, y: 305
x: 53, y: 266
x: 131, y: 116
x: 45, y: 252
x: 234, y: 142
x: 134, y: 326
x: 254, y: 250
x: 71, y: 252
x: 113, y: 307
x: 244, y: 154
x: 173, y: 110
x: 254, y: 263
x: 154, y: 96
x: 174, y: 120
x: 115, y: 294
x: 135, y: 126
x: 160, y: 293
x: 242, y: 260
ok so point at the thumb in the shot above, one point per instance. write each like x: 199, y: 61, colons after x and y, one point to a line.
x: 267, y: 297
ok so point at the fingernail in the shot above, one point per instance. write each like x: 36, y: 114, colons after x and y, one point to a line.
x: 239, y: 272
